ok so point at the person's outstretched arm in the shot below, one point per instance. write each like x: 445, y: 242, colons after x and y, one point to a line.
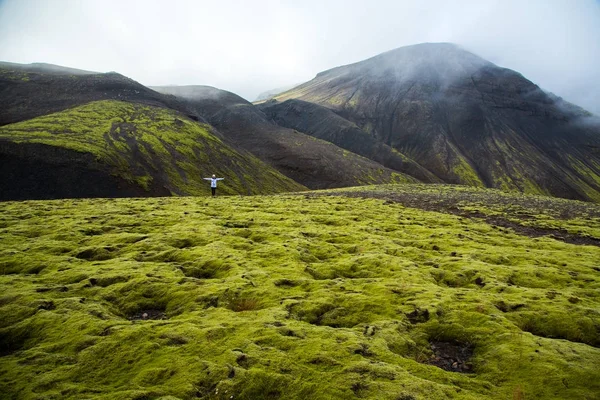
x: 207, y: 179
x: 220, y: 179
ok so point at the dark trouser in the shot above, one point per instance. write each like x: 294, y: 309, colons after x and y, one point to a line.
x: 214, y: 190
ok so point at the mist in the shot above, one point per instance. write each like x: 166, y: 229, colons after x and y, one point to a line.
x: 251, y: 47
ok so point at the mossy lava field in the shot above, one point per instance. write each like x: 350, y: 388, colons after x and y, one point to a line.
x: 385, y: 292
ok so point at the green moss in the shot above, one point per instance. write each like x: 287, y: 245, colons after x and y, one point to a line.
x: 149, y: 145
x: 294, y: 296
x: 464, y: 171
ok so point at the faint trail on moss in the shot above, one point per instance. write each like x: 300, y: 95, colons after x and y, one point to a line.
x: 450, y: 203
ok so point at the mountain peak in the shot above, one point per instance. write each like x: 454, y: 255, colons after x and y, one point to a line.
x: 462, y: 118
x: 438, y: 62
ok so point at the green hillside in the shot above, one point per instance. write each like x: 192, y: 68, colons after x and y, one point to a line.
x: 324, y: 295
x: 148, y: 147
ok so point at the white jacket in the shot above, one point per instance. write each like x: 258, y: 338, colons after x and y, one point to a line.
x: 213, y: 181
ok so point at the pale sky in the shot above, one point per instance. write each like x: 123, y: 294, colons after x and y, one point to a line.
x: 248, y: 47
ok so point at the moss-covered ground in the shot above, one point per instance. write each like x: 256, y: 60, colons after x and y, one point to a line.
x: 318, y: 295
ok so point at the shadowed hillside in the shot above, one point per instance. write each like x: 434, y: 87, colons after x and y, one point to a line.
x: 383, y: 292
x: 32, y: 90
x: 44, y: 68
x: 465, y: 120
x: 309, y: 161
x: 322, y: 123
x: 118, y: 149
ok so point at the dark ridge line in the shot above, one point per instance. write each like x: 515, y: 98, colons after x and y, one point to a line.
x: 530, y: 231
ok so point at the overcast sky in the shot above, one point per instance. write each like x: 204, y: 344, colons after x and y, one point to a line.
x: 252, y: 46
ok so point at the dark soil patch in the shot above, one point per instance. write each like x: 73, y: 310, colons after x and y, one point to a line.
x: 243, y: 361
x: 533, y: 231
x: 452, y: 356
x: 418, y: 316
x: 290, y: 333
x: 106, y: 281
x: 286, y: 283
x: 359, y: 388
x: 364, y: 350
x: 46, y: 305
x: 449, y: 203
x: 95, y: 254
x: 148, y: 314
x: 502, y: 306
x: 12, y: 341
x: 54, y: 288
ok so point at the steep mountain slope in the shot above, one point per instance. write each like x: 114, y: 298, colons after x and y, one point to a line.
x: 115, y: 149
x: 32, y: 90
x: 465, y: 120
x: 309, y: 161
x: 322, y: 123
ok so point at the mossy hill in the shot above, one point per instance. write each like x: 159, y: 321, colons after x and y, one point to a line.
x: 383, y: 292
x: 458, y: 116
x: 115, y: 149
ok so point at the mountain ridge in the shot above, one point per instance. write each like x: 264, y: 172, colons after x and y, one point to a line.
x: 41, y: 67
x: 430, y: 112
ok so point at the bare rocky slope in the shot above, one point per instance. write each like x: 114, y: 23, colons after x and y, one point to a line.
x: 314, y: 163
x: 323, y: 123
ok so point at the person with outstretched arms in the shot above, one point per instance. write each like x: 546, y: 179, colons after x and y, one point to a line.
x: 213, y: 183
